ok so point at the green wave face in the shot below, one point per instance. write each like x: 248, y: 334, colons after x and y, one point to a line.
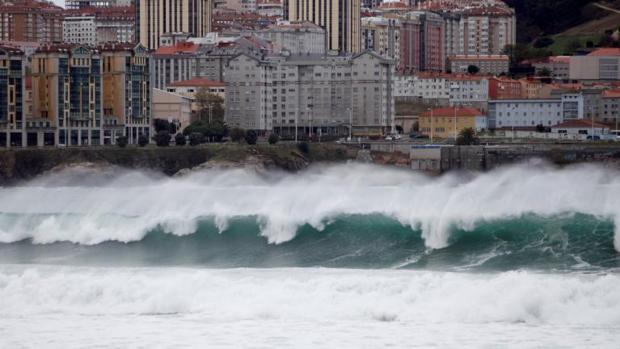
x: 568, y: 242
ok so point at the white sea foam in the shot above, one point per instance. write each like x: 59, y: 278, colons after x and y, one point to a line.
x: 313, y: 294
x: 88, y: 208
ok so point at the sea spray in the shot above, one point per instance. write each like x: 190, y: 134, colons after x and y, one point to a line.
x: 128, y: 206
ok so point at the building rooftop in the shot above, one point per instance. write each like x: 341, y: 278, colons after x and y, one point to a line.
x: 605, y: 51
x: 579, y: 123
x: 480, y: 57
x: 611, y: 93
x: 197, y: 82
x: 179, y: 48
x: 450, y: 111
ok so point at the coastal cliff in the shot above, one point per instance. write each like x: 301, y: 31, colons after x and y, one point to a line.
x: 24, y: 164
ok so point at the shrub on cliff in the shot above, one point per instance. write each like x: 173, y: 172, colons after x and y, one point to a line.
x: 179, y: 139
x: 251, y: 137
x: 212, y: 132
x: 121, y: 141
x: 273, y: 138
x: 162, y: 139
x: 195, y: 138
x: 143, y: 140
x: 303, y: 147
x: 237, y: 134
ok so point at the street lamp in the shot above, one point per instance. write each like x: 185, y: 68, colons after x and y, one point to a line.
x: 350, y: 109
x: 432, y: 127
x: 455, y: 124
x: 310, y: 115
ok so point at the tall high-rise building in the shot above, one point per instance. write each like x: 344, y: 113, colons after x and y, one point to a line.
x: 157, y: 17
x: 340, y: 18
x: 12, y: 67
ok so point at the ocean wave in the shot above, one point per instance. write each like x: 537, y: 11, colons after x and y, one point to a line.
x: 80, y: 207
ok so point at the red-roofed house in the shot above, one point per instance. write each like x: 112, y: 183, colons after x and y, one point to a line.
x: 601, y: 64
x: 449, y: 121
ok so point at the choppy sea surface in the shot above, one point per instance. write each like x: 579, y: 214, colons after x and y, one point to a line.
x: 338, y: 256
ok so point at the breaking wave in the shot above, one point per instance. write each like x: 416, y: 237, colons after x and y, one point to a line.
x: 352, y: 215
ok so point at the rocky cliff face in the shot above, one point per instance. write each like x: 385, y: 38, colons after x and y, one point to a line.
x: 23, y: 164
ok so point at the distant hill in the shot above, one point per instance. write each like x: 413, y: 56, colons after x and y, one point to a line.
x: 537, y: 18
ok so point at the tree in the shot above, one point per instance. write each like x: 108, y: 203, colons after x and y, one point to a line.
x: 179, y: 139
x: 573, y: 46
x: 540, y: 128
x: 303, y: 147
x: 195, y: 138
x: 544, y: 72
x: 467, y: 136
x: 164, y: 125
x: 237, y: 134
x: 543, y: 42
x: 214, y: 131
x: 251, y: 137
x: 210, y: 106
x: 162, y: 138
x: 472, y: 69
x: 121, y: 141
x: 273, y: 138
x: 143, y: 140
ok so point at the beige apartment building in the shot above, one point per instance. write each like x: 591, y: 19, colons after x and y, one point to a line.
x: 157, y: 17
x: 341, y: 19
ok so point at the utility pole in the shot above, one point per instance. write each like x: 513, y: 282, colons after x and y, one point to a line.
x: 455, y: 124
x: 432, y: 126
x: 350, y: 123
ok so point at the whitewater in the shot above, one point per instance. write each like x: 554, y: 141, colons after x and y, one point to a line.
x: 337, y: 256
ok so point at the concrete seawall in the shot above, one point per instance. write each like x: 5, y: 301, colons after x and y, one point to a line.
x: 484, y: 158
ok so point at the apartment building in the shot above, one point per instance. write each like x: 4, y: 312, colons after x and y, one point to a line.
x: 157, y: 17
x: 298, y: 38
x: 87, y: 96
x: 609, y: 110
x: 189, y: 60
x: 528, y: 113
x: 469, y: 91
x: 556, y: 66
x: 504, y: 88
x: 95, y: 26
x: 311, y: 94
x: 340, y: 18
x: 422, y: 43
x: 12, y: 90
x: 382, y: 35
x: 487, y: 64
x: 601, y: 64
x: 31, y: 21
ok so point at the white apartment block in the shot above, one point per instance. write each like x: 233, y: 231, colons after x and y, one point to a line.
x: 80, y: 30
x: 326, y: 95
x: 469, y: 91
x: 528, y: 113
